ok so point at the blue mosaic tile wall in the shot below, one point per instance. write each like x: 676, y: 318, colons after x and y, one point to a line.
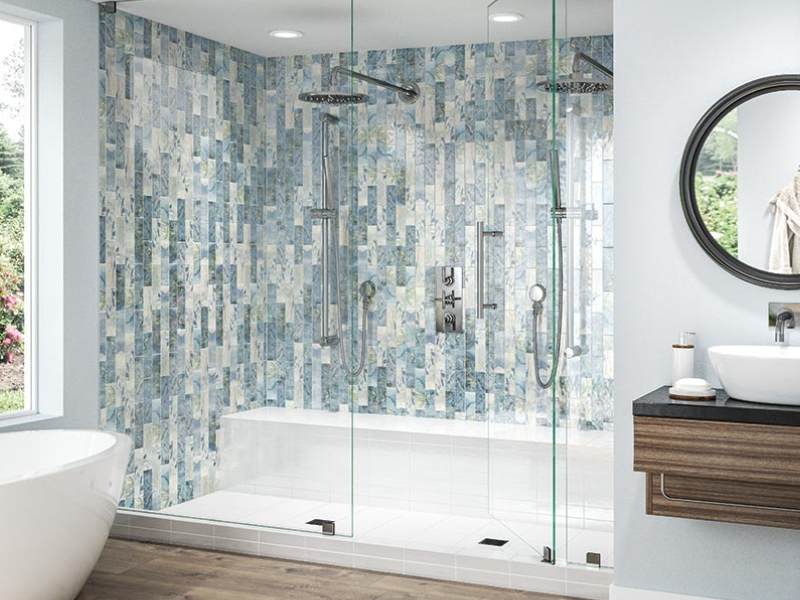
x: 210, y: 262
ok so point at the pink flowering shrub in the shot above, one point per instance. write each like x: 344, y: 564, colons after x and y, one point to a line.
x: 12, y: 317
x: 12, y: 265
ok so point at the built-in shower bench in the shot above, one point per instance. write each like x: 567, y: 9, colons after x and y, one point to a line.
x: 414, y: 463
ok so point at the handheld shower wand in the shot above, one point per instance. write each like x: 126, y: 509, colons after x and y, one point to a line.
x: 538, y: 293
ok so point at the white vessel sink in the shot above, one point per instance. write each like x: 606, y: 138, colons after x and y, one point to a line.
x: 769, y: 374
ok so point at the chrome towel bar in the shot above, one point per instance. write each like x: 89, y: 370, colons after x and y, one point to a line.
x: 716, y: 503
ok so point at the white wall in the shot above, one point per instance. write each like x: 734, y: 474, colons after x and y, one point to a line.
x: 674, y: 58
x: 769, y: 157
x: 68, y: 204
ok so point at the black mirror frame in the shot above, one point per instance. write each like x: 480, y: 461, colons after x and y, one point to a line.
x: 691, y: 155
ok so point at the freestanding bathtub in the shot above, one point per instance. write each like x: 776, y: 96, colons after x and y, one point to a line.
x: 58, y: 497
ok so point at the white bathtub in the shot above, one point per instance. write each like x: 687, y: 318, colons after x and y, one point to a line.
x: 58, y: 497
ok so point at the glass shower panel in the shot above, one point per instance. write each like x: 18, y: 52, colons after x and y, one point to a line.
x: 298, y: 447
x: 584, y: 401
x: 308, y: 450
x: 519, y: 199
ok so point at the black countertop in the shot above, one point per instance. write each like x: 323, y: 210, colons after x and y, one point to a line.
x: 658, y: 404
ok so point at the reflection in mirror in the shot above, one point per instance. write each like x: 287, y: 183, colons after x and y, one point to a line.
x: 717, y: 183
x: 748, y: 185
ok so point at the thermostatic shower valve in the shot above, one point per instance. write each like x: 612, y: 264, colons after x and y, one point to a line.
x: 449, y: 300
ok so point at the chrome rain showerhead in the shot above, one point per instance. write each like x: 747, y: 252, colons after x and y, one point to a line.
x: 333, y: 97
x: 577, y: 85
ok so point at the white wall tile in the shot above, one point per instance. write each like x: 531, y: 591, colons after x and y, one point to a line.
x: 192, y: 540
x: 236, y: 546
x: 373, y: 563
x: 482, y: 577
x: 287, y: 552
x: 329, y: 558
x: 533, y: 584
x: 434, y: 571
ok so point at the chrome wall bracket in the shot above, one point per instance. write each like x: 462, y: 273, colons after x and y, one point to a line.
x: 548, y: 556
x: 588, y: 213
x: 110, y: 7
x: 449, y: 300
x: 328, y: 527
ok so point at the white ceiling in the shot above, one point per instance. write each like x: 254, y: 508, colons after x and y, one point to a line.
x: 377, y: 24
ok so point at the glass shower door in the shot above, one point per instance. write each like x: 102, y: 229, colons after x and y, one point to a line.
x: 585, y: 404
x: 519, y: 201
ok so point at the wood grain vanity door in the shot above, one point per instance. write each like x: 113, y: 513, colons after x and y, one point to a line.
x: 716, y: 465
x: 766, y: 454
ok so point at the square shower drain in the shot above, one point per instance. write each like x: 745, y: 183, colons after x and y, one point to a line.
x: 493, y: 542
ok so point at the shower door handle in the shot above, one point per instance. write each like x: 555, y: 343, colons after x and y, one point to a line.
x: 482, y: 235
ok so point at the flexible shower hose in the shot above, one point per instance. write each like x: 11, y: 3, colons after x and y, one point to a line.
x: 342, y: 354
x: 560, y: 304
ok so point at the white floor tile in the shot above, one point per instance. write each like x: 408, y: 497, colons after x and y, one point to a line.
x: 283, y: 513
x: 396, y: 540
x: 449, y: 532
x: 327, y: 511
x: 404, y: 527
x: 225, y: 506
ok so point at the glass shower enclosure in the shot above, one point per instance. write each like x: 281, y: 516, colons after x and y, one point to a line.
x: 336, y: 281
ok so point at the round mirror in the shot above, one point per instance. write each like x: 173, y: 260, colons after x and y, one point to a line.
x: 740, y: 182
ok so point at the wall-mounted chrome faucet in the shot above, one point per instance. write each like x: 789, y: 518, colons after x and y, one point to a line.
x: 782, y: 317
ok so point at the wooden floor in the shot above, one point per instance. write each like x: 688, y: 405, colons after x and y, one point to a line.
x: 137, y: 571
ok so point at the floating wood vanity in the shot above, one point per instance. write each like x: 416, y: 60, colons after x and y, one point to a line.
x: 726, y: 460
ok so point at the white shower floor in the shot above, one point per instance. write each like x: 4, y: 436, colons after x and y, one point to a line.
x: 403, y: 529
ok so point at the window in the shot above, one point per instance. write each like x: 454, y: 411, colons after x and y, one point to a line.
x: 16, y: 208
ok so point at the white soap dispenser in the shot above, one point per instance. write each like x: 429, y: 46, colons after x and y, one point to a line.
x: 683, y: 357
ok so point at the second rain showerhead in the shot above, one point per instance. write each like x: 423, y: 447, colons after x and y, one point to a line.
x: 333, y: 97
x: 408, y: 93
x: 576, y: 83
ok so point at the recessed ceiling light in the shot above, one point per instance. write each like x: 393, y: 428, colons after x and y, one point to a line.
x: 288, y: 34
x: 506, y: 17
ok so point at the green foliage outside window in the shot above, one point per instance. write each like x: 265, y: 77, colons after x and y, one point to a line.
x: 717, y: 183
x: 717, y: 199
x: 10, y: 156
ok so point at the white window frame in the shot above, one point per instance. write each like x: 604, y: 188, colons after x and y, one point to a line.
x: 31, y: 406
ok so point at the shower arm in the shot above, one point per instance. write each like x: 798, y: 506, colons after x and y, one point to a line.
x: 408, y: 92
x: 581, y: 57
